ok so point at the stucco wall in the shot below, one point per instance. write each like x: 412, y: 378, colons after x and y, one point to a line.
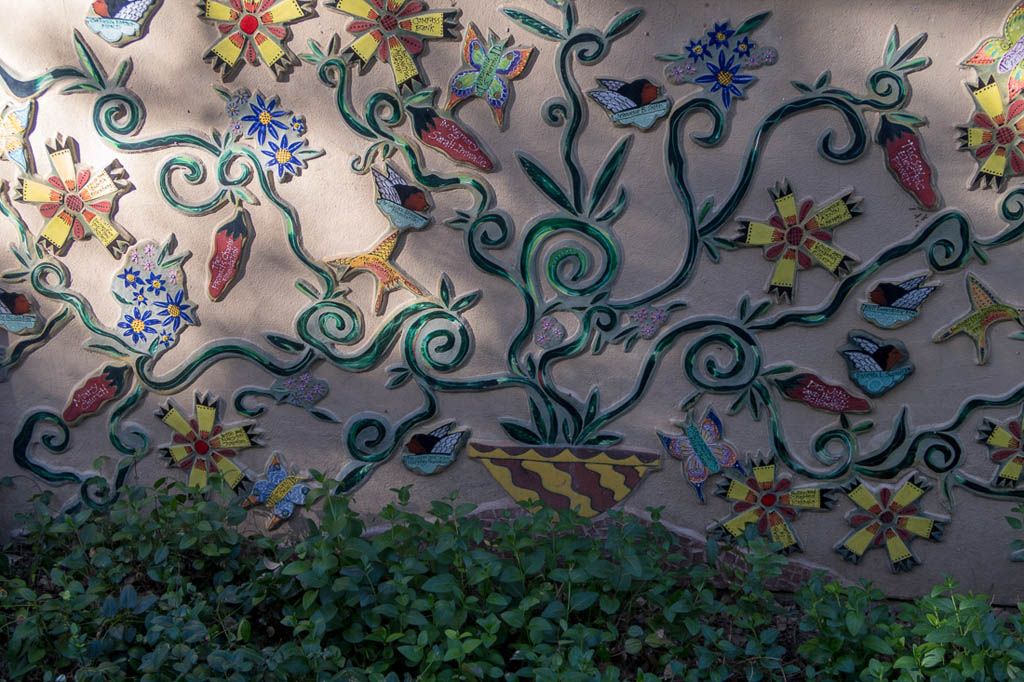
x: 337, y: 216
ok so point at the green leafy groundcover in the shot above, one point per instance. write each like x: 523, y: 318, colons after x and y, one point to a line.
x: 165, y: 587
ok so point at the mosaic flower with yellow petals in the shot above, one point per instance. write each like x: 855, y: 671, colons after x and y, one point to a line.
x: 996, y: 140
x: 253, y: 29
x: 890, y: 520
x: 393, y: 31
x: 201, y: 444
x: 771, y: 503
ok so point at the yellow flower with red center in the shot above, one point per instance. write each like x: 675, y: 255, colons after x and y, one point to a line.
x: 393, y: 31
x: 997, y: 138
x: 798, y: 239
x: 201, y: 445
x: 77, y: 201
x: 891, y: 520
x: 770, y: 503
x: 1005, y: 443
x: 255, y: 29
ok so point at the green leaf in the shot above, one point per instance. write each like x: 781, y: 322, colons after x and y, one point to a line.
x: 324, y: 415
x: 855, y: 623
x: 1014, y: 522
x: 88, y: 61
x: 609, y: 170
x: 612, y: 213
x: 622, y: 22
x: 752, y: 22
x: 705, y: 208
x: 540, y: 178
x: 284, y: 343
x: 570, y: 17
x: 520, y: 433
x: 296, y: 567
x: 592, y: 403
x: 823, y: 80
x: 79, y: 87
x: 122, y: 72
x: 538, y: 419
x: 890, y: 47
x: 800, y: 86
x: 441, y: 583
x: 604, y: 440
x: 878, y: 645
x: 413, y: 653
x: 446, y: 290
x: 533, y: 24
x: 582, y: 600
x: 244, y: 630
x: 466, y: 301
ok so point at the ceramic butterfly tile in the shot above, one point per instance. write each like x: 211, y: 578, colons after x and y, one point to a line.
x: 702, y: 450
x: 489, y: 68
x: 1003, y: 55
x: 278, y: 491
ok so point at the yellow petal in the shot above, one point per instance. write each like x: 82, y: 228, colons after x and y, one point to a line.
x: 905, y: 496
x: 366, y: 46
x: 428, y: 25
x: 57, y: 230
x: 989, y: 99
x: 206, y: 417
x: 759, y: 234
x: 1000, y: 438
x: 863, y: 498
x: 401, y: 61
x: 284, y: 11
x: 268, y: 49
x: 229, y: 48
x: 736, y: 524
x: 64, y: 167
x: 38, y: 192
x: 177, y: 421
x: 357, y: 8
x: 834, y: 214
x: 219, y: 12
x: 859, y: 542
x: 786, y: 206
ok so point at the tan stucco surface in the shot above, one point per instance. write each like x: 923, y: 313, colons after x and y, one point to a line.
x: 338, y: 216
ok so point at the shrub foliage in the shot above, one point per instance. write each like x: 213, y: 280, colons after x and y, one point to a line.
x: 165, y: 586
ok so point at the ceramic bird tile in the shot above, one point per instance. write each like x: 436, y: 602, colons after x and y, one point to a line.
x: 636, y: 103
x: 120, y: 22
x: 431, y: 453
x: 404, y: 204
x: 17, y: 314
x: 876, y: 365
x: 894, y: 305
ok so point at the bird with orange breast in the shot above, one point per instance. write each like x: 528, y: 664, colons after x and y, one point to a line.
x: 634, y: 103
x: 376, y: 261
x: 15, y: 312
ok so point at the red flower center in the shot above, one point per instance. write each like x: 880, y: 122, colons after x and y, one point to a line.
x: 1005, y: 135
x: 794, y: 236
x: 388, y: 22
x: 74, y: 202
x: 887, y: 517
x: 768, y: 499
x: 202, y: 447
x: 248, y: 24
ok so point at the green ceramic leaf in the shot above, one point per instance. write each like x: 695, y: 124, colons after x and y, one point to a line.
x: 284, y: 343
x: 538, y: 419
x: 623, y: 22
x: 545, y: 183
x: 752, y: 22
x: 446, y: 290
x: 533, y: 24
x: 466, y: 301
x: 608, y: 172
x: 520, y: 433
x: 611, y: 214
x: 604, y: 440
x: 88, y: 61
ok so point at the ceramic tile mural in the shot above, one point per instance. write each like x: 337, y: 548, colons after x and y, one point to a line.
x: 554, y: 280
